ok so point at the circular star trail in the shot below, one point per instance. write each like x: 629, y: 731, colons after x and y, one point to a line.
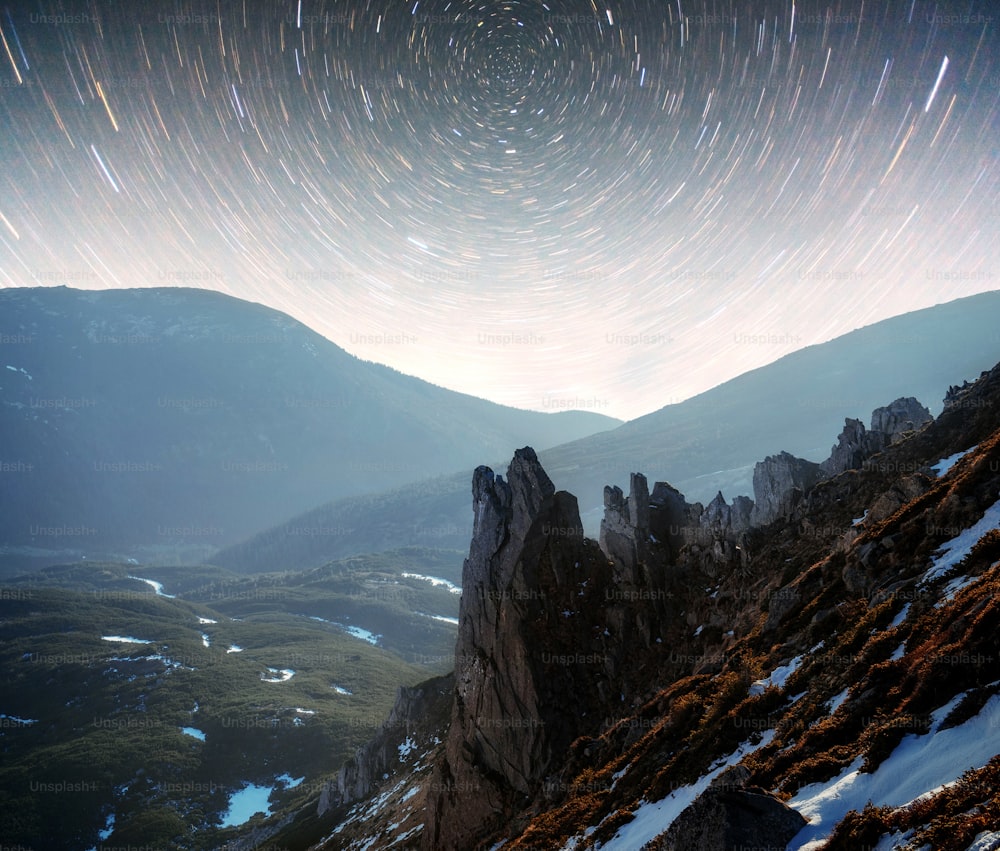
x: 609, y: 206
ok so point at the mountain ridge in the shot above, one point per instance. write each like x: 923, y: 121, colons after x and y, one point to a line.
x: 185, y: 419
x: 775, y: 658
x: 703, y: 445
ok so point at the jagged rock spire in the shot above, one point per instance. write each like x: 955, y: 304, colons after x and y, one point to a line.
x: 520, y: 657
x: 625, y: 527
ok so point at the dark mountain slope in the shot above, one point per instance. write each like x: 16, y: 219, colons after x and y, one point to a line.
x: 167, y: 419
x: 849, y: 643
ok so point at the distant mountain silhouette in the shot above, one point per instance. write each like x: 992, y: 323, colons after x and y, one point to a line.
x: 702, y: 445
x: 175, y: 420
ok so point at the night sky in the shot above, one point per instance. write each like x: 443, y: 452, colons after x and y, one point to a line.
x: 609, y: 206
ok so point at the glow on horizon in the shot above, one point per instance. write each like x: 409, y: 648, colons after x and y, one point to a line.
x: 525, y: 205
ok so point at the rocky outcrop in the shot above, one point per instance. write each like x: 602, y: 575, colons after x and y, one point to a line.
x: 889, y: 425
x: 901, y: 492
x: 903, y: 415
x: 673, y: 522
x: 531, y: 670
x: 418, y: 711
x: 722, y: 520
x: 855, y: 444
x: 779, y: 482
x: 625, y: 527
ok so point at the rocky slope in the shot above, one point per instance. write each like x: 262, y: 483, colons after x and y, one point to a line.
x: 704, y: 678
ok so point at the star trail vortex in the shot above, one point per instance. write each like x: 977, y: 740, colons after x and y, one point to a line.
x: 607, y: 205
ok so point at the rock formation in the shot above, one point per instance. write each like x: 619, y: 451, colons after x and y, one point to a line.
x: 672, y: 521
x: 890, y: 424
x: 721, y: 520
x: 625, y: 527
x: 413, y: 708
x: 854, y: 445
x: 903, y: 415
x: 779, y: 481
x: 531, y: 669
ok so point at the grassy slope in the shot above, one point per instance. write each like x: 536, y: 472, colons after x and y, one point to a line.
x: 108, y: 737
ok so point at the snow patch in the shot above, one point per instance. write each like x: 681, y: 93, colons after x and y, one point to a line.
x: 194, y: 732
x: 436, y: 581
x: 653, y: 818
x: 442, y: 618
x: 156, y: 586
x: 277, y: 675
x: 953, y: 551
x: 838, y: 699
x: 125, y: 639
x: 406, y: 747
x: 918, y: 765
x: 986, y: 841
x: 777, y: 678
x: 896, y: 621
x: 21, y: 370
x: 942, y: 467
x: 356, y: 631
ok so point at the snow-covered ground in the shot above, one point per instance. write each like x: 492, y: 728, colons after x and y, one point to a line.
x: 408, y: 745
x: 918, y: 765
x: 356, y: 631
x: 436, y: 581
x: 152, y: 657
x: 653, y: 818
x: 234, y: 648
x: 942, y: 467
x: 778, y: 677
x: 953, y: 551
x: 277, y: 675
x: 341, y: 689
x: 106, y: 831
x: 838, y: 699
x: 125, y: 639
x: 442, y: 618
x: 900, y: 617
x: 156, y: 586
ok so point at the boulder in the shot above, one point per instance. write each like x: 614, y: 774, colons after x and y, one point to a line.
x: 724, y: 818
